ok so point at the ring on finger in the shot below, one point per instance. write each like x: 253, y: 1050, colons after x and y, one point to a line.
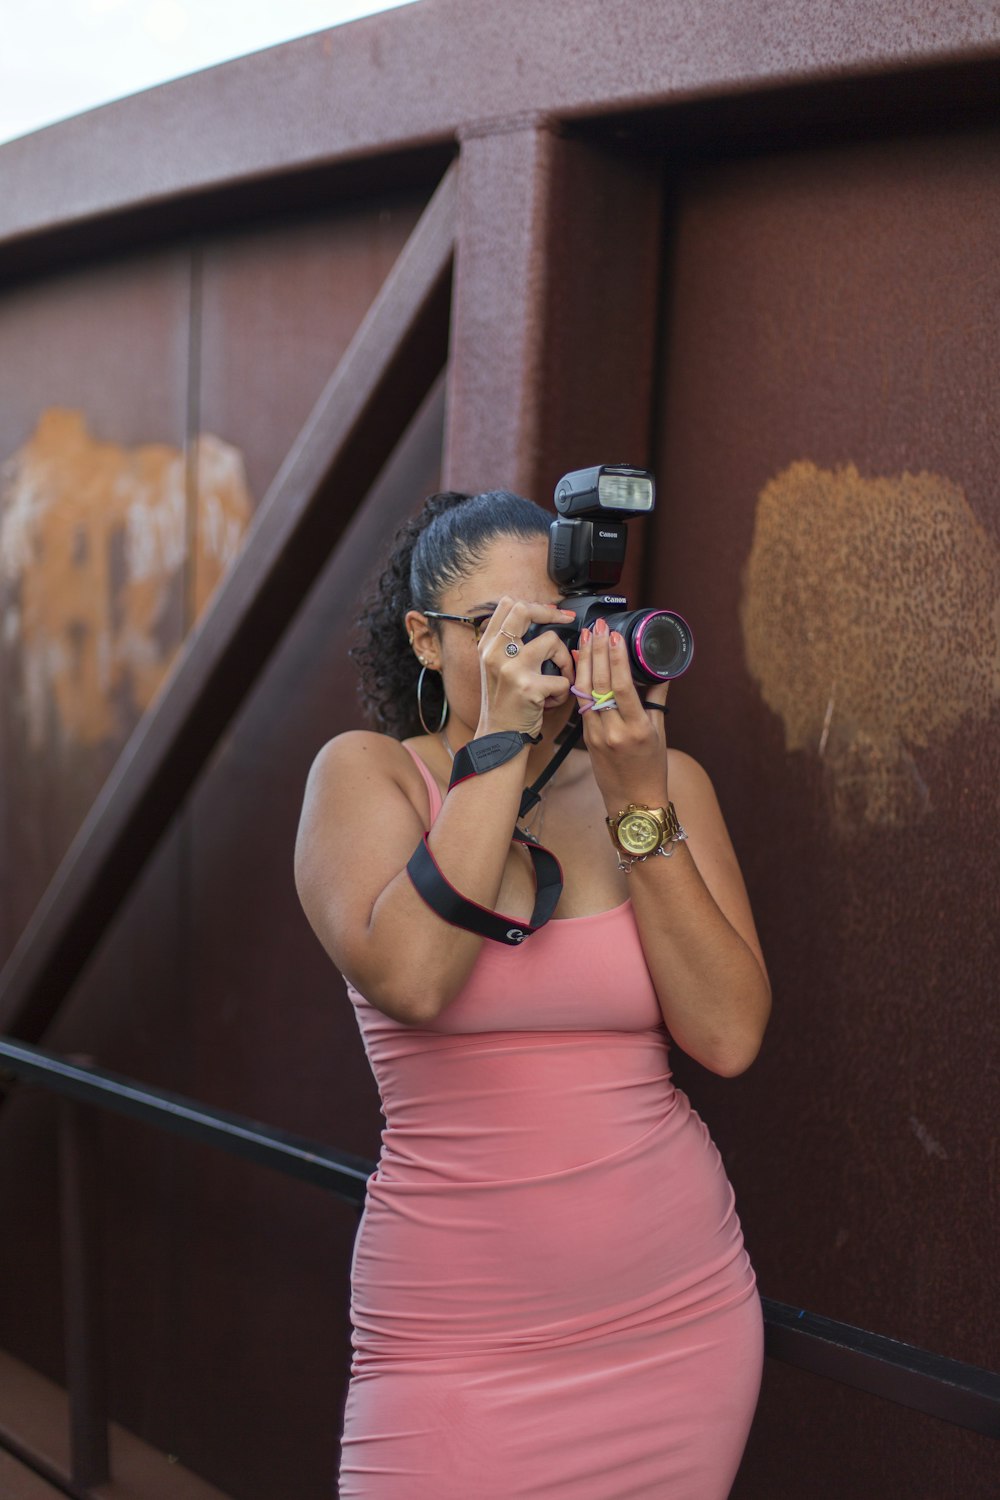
x: 599, y: 698
x: 599, y: 708
x: 514, y: 644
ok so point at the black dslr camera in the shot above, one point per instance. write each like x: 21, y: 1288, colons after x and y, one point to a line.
x: 587, y: 552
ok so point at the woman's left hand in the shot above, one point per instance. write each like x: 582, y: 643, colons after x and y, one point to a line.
x: 627, y: 743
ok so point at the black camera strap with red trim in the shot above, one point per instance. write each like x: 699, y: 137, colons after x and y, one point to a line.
x: 475, y: 759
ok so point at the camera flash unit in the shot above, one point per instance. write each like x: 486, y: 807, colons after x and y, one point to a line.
x: 607, y: 487
x: 586, y: 554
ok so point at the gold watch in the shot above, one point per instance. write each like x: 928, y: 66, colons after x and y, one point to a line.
x: 639, y: 831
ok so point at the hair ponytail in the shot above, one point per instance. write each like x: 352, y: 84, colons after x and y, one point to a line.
x: 429, y: 553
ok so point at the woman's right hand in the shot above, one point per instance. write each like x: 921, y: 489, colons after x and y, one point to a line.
x: 515, y: 690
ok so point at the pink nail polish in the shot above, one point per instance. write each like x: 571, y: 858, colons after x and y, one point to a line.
x: 601, y: 626
x: 584, y: 636
x: 616, y: 639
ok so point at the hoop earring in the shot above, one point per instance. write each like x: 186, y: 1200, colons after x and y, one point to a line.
x: 420, y: 705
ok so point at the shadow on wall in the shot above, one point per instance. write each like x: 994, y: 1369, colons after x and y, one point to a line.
x: 96, y: 588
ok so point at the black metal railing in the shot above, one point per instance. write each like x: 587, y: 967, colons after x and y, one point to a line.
x: 949, y: 1389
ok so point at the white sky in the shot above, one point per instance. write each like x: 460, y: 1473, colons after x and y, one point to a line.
x: 58, y: 57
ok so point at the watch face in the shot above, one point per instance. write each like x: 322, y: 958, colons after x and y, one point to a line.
x: 638, y: 833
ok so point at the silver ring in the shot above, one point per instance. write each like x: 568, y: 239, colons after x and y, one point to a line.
x: 600, y: 707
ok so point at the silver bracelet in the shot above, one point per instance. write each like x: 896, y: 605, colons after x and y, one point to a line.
x: 625, y: 863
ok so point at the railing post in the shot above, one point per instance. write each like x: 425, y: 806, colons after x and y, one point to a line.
x: 86, y: 1368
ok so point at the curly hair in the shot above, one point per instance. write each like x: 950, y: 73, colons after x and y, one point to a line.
x: 433, y: 550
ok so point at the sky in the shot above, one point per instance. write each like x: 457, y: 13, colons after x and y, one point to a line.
x: 59, y: 57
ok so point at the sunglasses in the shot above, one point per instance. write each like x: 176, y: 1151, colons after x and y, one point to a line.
x: 478, y: 622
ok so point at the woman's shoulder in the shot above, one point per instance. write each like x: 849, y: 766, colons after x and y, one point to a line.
x: 690, y: 783
x: 353, y: 744
x: 683, y: 765
x: 358, y: 750
x: 698, y: 808
x: 360, y: 757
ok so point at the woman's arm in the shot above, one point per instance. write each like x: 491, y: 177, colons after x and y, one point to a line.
x: 698, y: 933
x: 691, y: 908
x: 357, y: 832
x: 359, y: 829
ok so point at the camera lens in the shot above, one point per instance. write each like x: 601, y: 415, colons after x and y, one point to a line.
x: 660, y: 644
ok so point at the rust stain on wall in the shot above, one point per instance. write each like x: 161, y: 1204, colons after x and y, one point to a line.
x: 871, y: 621
x: 94, y: 542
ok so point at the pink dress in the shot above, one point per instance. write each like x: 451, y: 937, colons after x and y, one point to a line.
x: 550, y: 1294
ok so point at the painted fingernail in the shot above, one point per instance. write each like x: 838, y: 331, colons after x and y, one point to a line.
x: 601, y: 626
x: 575, y: 655
x: 616, y: 639
x: 584, y: 636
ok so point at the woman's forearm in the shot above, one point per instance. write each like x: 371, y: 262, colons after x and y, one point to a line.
x: 713, y: 993
x: 417, y: 950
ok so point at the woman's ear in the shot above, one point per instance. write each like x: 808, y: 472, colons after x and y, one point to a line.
x: 423, y: 641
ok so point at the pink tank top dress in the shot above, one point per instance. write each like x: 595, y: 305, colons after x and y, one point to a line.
x: 550, y: 1294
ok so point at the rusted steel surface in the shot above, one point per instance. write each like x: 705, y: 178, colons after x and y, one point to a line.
x: 559, y: 298
x: 34, y: 1430
x: 374, y: 391
x: 950, y: 1389
x: 498, y: 311
x: 179, y: 970
x: 277, y: 307
x: 807, y: 357
x: 81, y: 1235
x: 18, y: 1482
x: 423, y: 73
x: 94, y: 420
x: 816, y: 1437
x: 130, y: 471
x: 268, y: 1029
x: 832, y: 531
x: 221, y: 1277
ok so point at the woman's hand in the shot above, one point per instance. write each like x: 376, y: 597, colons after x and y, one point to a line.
x: 515, y: 691
x: 627, y: 744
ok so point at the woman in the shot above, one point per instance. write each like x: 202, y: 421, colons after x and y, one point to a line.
x: 550, y: 1292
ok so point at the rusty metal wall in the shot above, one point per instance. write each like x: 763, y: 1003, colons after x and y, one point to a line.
x: 92, y: 426
x: 428, y: 74
x: 825, y: 321
x: 209, y: 1262
x: 828, y: 454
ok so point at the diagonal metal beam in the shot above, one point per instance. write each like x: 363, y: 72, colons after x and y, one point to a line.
x: 390, y: 365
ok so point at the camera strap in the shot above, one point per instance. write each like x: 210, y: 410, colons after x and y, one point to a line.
x: 533, y: 794
x: 475, y: 759
x: 442, y: 897
x: 488, y: 752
